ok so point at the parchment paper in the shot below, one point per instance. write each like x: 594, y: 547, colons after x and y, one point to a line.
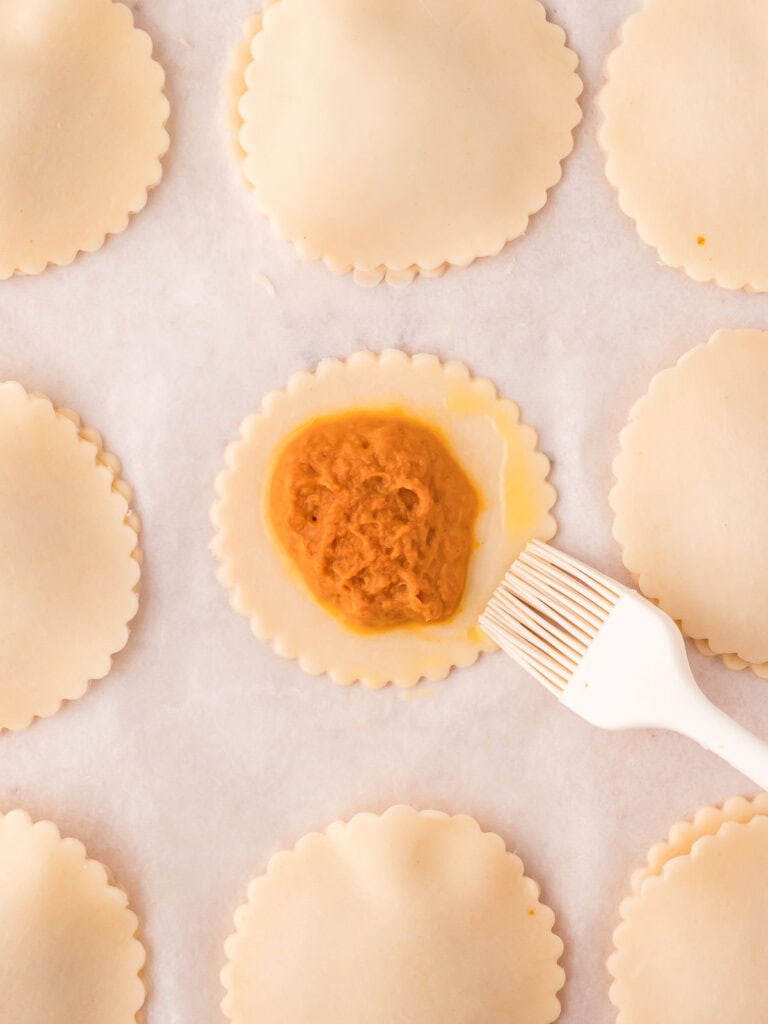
x: 203, y: 752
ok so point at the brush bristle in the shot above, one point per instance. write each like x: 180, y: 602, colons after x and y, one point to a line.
x: 547, y: 611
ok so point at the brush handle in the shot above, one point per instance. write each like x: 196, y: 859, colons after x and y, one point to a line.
x: 715, y: 731
x: 656, y: 688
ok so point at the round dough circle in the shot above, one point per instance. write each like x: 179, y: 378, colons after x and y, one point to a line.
x: 81, y: 128
x: 414, y: 917
x: 691, y: 947
x: 69, y: 547
x: 484, y: 433
x: 388, y: 140
x: 685, y: 109
x: 691, y: 494
x: 68, y: 946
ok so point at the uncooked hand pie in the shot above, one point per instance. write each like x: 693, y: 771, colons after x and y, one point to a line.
x: 68, y: 947
x: 691, y: 496
x: 405, y: 137
x: 412, y: 917
x: 685, y: 110
x: 367, y: 513
x: 691, y: 947
x: 70, y: 557
x: 81, y: 128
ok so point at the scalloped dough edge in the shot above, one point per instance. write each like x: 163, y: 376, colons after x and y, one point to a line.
x: 629, y: 559
x: 114, y: 890
x: 98, y: 239
x: 234, y: 90
x: 120, y: 487
x: 668, y: 260
x: 684, y: 840
x: 685, y: 834
x: 402, y: 812
x: 283, y: 644
x: 368, y: 277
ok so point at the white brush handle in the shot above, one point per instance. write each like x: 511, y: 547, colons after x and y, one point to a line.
x: 715, y: 731
x: 655, y: 688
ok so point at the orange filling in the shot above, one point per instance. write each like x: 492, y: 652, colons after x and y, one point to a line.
x: 378, y: 517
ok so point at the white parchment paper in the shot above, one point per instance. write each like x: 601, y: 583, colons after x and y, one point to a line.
x: 203, y: 753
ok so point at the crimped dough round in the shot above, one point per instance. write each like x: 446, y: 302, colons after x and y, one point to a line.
x: 408, y: 917
x: 691, y: 495
x: 68, y: 947
x: 685, y: 109
x: 81, y: 128
x: 691, y: 947
x: 497, y: 452
x: 69, y: 551
x: 388, y: 139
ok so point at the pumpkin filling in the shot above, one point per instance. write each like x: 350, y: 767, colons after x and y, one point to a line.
x: 378, y: 517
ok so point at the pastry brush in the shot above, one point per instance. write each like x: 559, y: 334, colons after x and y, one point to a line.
x: 609, y: 655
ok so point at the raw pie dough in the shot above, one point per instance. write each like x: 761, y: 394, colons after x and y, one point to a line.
x: 408, y: 917
x: 685, y: 110
x: 484, y: 433
x: 68, y: 947
x: 691, y: 495
x: 691, y: 948
x: 81, y: 128
x: 404, y: 137
x: 69, y: 551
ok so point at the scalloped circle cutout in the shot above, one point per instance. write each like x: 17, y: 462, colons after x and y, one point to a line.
x: 691, y: 495
x: 69, y: 545
x: 685, y: 108
x: 69, y: 950
x: 484, y: 433
x: 416, y: 917
x: 401, y: 139
x: 82, y: 128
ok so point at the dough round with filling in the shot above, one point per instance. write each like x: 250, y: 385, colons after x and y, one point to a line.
x: 81, y: 128
x: 408, y: 917
x: 484, y: 435
x: 68, y: 947
x: 691, y: 948
x: 388, y: 140
x: 691, y: 494
x: 70, y: 557
x: 685, y: 108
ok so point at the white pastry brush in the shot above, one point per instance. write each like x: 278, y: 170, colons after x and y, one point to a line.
x: 609, y: 655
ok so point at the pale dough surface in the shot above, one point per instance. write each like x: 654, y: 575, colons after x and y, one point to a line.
x: 691, y: 948
x: 234, y: 86
x: 235, y: 89
x: 691, y: 494
x: 81, y: 128
x: 70, y: 557
x: 404, y: 137
x: 68, y: 947
x: 408, y: 917
x: 484, y: 432
x: 732, y: 661
x: 707, y: 822
x: 685, y: 109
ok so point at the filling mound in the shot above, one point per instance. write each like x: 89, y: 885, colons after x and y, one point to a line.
x: 378, y: 517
